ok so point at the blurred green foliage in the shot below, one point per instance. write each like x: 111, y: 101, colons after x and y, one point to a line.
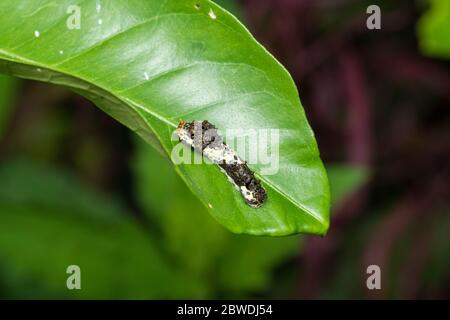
x: 232, y: 6
x: 434, y: 29
x: 8, y: 91
x: 343, y: 179
x: 437, y: 270
x: 50, y: 220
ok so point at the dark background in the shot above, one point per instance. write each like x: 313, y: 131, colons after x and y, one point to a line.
x: 78, y: 188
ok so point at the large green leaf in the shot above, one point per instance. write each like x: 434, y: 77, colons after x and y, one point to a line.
x: 151, y: 63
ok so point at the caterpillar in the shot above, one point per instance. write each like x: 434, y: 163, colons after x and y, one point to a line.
x: 202, y: 136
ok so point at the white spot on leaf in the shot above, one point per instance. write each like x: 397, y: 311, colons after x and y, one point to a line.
x: 146, y: 76
x: 211, y: 14
x: 37, y: 33
x: 100, y: 21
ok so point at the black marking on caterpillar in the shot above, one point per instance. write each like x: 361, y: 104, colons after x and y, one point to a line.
x: 202, y: 136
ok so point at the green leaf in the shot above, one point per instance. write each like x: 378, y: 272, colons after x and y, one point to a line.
x: 149, y: 64
x: 50, y: 221
x: 434, y: 29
